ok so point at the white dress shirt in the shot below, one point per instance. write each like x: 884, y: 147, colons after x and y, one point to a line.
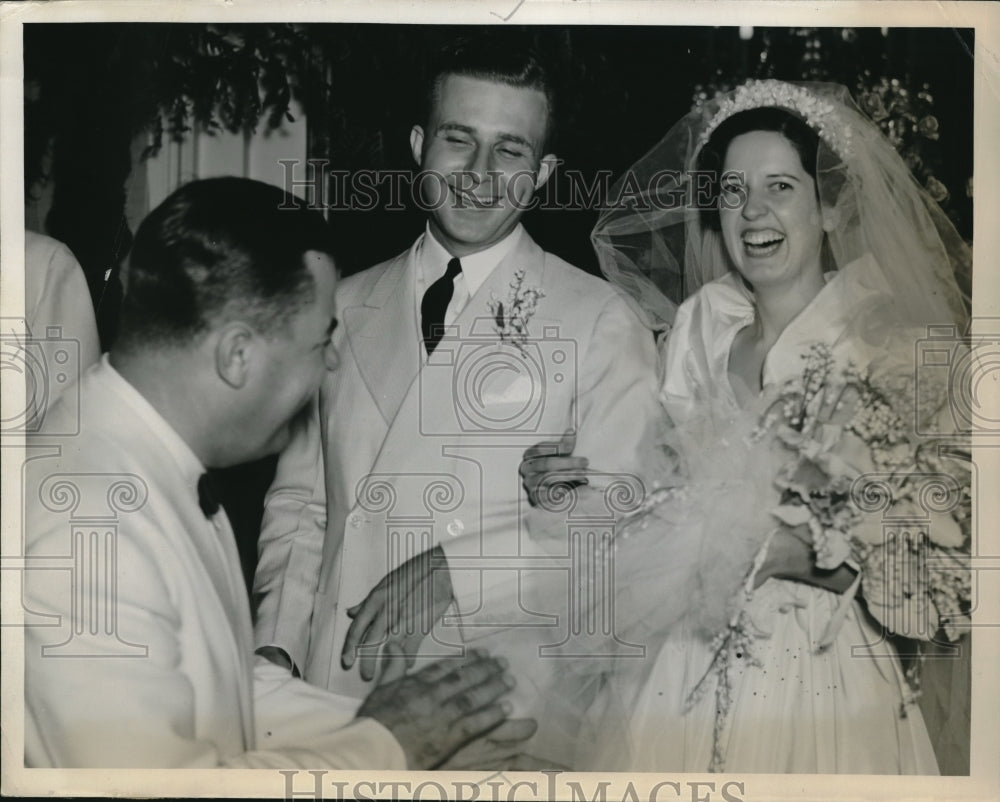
x: 432, y: 261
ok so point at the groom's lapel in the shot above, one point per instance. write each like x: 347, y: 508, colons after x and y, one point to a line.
x: 476, y: 318
x: 382, y: 335
x: 448, y: 371
x: 382, y: 329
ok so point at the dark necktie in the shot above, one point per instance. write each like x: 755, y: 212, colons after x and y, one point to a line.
x: 208, y: 498
x: 435, y: 302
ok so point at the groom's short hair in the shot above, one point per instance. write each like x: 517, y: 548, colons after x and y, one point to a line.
x: 490, y: 57
x: 217, y: 250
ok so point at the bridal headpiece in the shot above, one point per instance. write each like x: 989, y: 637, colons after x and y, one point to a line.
x: 819, y: 114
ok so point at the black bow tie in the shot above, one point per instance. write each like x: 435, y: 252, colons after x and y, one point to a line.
x: 208, y: 497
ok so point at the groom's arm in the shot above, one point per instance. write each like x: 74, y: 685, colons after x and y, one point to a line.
x: 290, y: 548
x: 616, y: 401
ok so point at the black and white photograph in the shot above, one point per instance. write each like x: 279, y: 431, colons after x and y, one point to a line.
x: 530, y: 400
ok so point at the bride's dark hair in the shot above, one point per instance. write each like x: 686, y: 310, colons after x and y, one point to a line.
x: 765, y: 118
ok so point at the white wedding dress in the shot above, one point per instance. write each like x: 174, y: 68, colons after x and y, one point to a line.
x: 792, y: 709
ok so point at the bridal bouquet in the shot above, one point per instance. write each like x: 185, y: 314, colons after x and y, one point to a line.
x: 873, y: 495
x: 834, y: 453
x: 842, y: 453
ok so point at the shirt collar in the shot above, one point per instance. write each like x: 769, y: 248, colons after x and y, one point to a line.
x: 190, y: 466
x: 476, y: 267
x: 735, y: 303
x: 826, y: 317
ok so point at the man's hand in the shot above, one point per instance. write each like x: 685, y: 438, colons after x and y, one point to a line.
x: 501, y: 750
x: 402, y: 609
x: 550, y: 464
x: 436, y: 711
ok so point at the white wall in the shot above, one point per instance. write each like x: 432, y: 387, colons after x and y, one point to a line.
x: 206, y: 155
x: 198, y: 155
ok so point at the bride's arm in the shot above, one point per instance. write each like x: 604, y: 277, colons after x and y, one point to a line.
x: 791, y: 557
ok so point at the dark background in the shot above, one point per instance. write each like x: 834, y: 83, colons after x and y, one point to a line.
x: 91, y: 89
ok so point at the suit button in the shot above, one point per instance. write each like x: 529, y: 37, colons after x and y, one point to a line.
x: 455, y: 528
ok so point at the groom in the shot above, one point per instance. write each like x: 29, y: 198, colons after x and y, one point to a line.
x: 400, y: 499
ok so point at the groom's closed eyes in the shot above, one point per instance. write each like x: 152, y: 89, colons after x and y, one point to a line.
x: 507, y: 144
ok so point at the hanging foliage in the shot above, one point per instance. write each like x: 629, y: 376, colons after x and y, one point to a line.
x: 230, y: 77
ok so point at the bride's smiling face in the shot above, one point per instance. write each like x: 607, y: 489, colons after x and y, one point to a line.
x: 769, y: 211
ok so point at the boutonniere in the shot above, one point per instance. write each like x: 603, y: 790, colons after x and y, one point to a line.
x: 511, y: 319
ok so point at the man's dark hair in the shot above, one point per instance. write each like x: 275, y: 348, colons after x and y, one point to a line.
x: 217, y: 250
x: 803, y: 139
x: 489, y: 57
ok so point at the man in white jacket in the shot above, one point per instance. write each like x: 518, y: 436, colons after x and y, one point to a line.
x: 140, y: 652
x: 399, y: 499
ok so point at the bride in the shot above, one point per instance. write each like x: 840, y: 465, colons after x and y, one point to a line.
x: 798, y: 241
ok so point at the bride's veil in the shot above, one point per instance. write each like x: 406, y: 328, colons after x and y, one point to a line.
x: 652, y: 243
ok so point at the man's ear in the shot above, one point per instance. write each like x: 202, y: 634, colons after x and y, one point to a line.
x: 546, y: 167
x: 233, y: 353
x: 417, y: 144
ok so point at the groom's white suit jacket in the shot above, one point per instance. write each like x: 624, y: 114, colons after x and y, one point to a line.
x: 138, y: 639
x: 406, y: 452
